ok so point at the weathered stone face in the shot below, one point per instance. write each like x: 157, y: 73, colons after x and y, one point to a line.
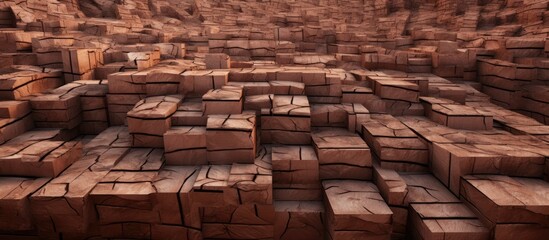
x: 285, y: 120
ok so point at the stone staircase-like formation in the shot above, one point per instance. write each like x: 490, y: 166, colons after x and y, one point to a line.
x: 284, y: 120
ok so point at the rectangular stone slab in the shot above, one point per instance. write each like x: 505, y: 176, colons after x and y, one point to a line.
x: 231, y: 138
x: 15, y: 214
x: 294, y: 164
x: 425, y: 188
x: 141, y: 159
x: 249, y: 184
x: 502, y: 199
x: 38, y: 158
x: 298, y: 219
x: 455, y: 115
x: 356, y: 206
x: 393, y: 142
x: 14, y: 109
x: 391, y: 186
x: 445, y: 221
x: 185, y: 146
x: 227, y: 100
x: 342, y: 154
x: 452, y: 161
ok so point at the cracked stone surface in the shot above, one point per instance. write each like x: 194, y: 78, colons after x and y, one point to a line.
x: 310, y: 119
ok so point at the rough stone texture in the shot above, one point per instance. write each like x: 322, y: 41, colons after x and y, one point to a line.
x: 310, y: 119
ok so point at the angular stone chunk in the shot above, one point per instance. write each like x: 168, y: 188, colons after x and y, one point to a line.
x: 25, y: 156
x: 445, y: 221
x: 287, y: 122
x: 453, y: 161
x: 252, y: 88
x: 63, y: 205
x: 348, y: 115
x: 287, y: 88
x: 227, y: 100
x: 231, y: 138
x: 218, y: 61
x: 198, y: 83
x: 14, y: 109
x: 210, y: 185
x: 141, y: 159
x: 116, y: 137
x: 15, y: 119
x: 298, y: 220
x: 454, y: 115
x: 173, y: 184
x: 295, y: 165
x: 80, y: 63
x: 507, y: 200
x: 125, y: 197
x: 151, y: 118
x: 51, y: 109
x: 249, y: 184
x: 396, y: 90
x: 342, y: 154
x: 424, y: 188
x: 18, y: 82
x: 396, y: 146
x: 185, y: 146
x: 391, y: 186
x: 355, y: 209
x: 190, y: 114
x: 258, y: 102
x: 15, y: 213
x: 129, y: 82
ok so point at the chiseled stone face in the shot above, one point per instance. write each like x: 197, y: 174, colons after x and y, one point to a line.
x: 281, y: 120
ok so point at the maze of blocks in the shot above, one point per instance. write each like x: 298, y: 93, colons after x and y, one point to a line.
x: 274, y: 119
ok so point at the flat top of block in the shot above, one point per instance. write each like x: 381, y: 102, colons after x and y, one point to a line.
x: 84, y: 88
x: 129, y: 183
x: 117, y: 136
x: 299, y: 206
x: 425, y: 188
x: 249, y: 84
x: 249, y: 174
x: 259, y: 167
x: 349, y: 108
x: 227, y: 93
x: 213, y: 177
x: 28, y: 151
x: 337, y: 138
x: 385, y: 125
x: 287, y: 84
x: 141, y: 159
x: 350, y: 197
x: 291, y: 106
x: 156, y: 107
x: 443, y: 210
x: 489, y: 150
x: 387, y: 82
x: 355, y: 89
x: 441, y: 134
x: 15, y: 188
x: 391, y: 179
x: 53, y: 98
x: 294, y: 153
x: 243, y: 122
x: 173, y: 179
x: 512, y: 191
x: 451, y: 108
x: 186, y: 130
